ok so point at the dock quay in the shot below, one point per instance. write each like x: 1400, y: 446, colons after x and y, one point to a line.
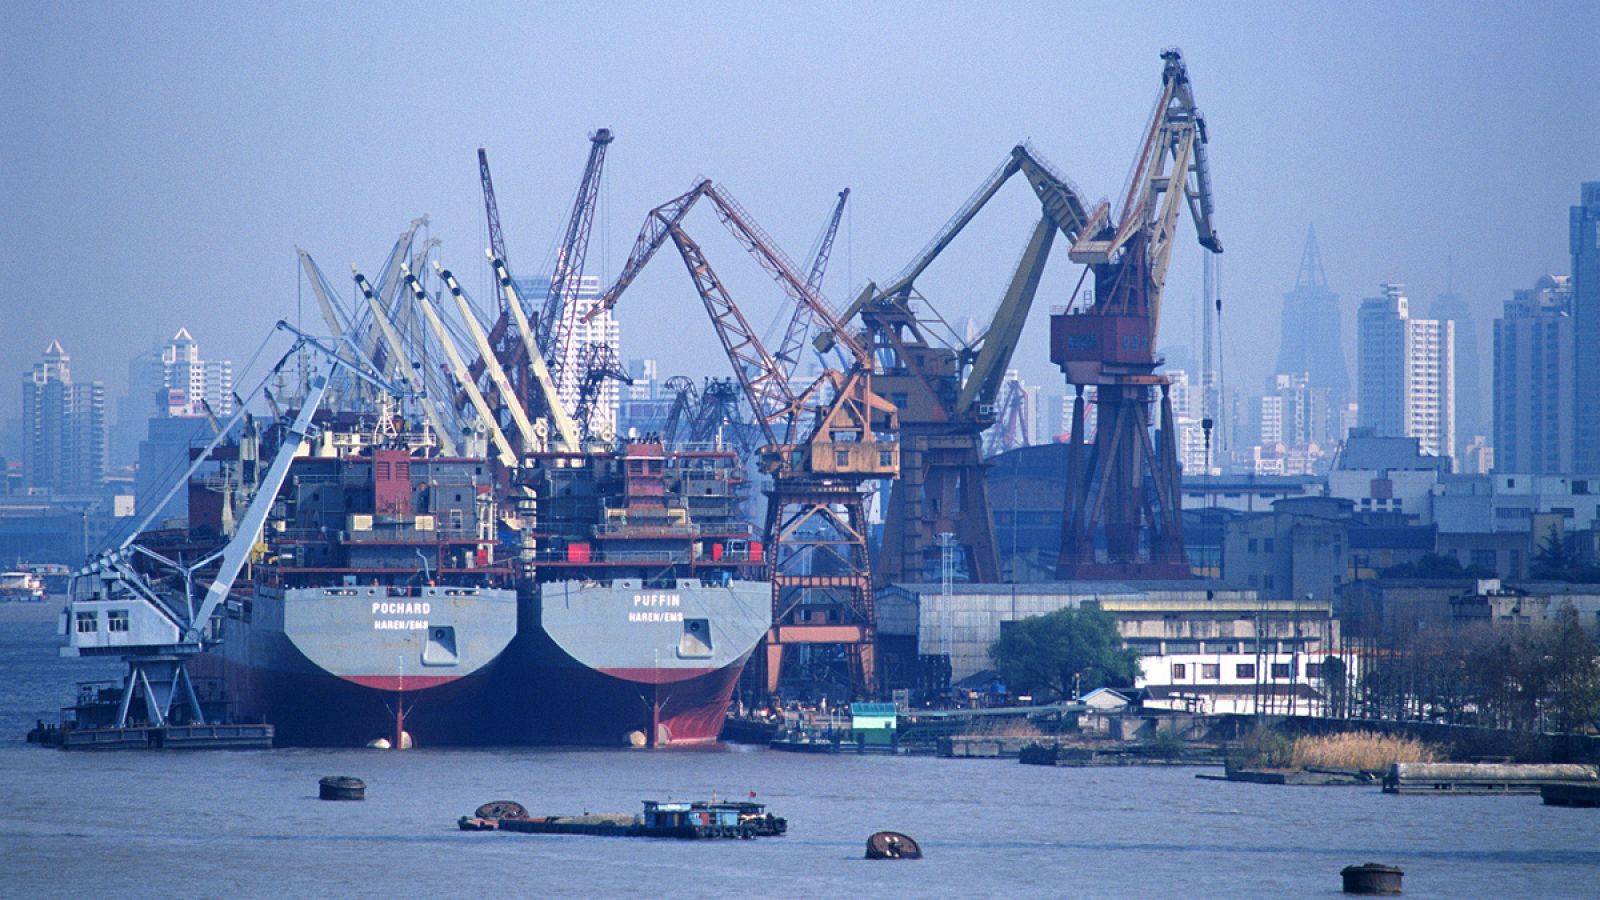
x: 1309, y: 777
x: 231, y: 736
x: 1035, y: 753
x: 1484, y: 778
x: 1581, y: 795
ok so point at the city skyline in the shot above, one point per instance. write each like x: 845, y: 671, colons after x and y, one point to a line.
x: 1298, y: 142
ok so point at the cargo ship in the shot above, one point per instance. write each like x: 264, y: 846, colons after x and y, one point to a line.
x: 379, y: 608
x: 373, y: 607
x: 647, y: 595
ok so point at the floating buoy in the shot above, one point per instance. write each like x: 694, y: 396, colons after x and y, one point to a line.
x: 384, y: 743
x: 501, y: 809
x: 342, y: 787
x: 892, y: 845
x: 1371, y: 878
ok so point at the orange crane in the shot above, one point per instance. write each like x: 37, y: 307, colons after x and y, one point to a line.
x: 822, y: 443
x: 1123, y: 517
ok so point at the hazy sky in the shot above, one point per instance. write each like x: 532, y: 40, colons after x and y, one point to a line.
x: 161, y: 162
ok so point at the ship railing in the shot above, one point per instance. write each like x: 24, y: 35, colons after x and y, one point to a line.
x: 649, y: 530
x: 381, y: 533
x: 644, y: 556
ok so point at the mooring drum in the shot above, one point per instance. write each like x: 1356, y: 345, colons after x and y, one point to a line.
x: 892, y: 845
x: 502, y: 809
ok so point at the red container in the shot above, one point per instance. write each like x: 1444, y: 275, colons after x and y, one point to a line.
x: 755, y: 551
x: 578, y: 553
x: 716, y: 552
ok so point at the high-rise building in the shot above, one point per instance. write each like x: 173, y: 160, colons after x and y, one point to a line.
x: 168, y: 380
x: 603, y: 329
x: 64, y: 427
x: 643, y: 372
x: 1450, y: 306
x: 1535, y: 380
x: 1584, y: 241
x: 1312, y: 337
x: 1406, y: 373
x: 1194, y: 453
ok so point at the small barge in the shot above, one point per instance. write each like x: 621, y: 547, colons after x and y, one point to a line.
x: 682, y: 819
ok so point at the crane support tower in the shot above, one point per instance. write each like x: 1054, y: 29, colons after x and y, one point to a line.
x: 1122, y: 515
x: 946, y: 386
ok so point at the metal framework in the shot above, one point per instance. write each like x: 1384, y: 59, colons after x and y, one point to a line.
x: 946, y: 388
x: 1122, y: 515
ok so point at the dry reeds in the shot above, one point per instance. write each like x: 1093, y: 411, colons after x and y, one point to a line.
x: 1359, y: 750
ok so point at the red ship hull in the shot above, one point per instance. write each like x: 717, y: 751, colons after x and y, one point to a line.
x: 553, y: 698
x: 312, y: 708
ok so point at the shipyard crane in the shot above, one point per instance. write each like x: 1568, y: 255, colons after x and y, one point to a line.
x: 720, y: 412
x: 560, y: 315
x: 801, y: 319
x: 1010, y: 424
x: 568, y: 437
x: 465, y: 382
x: 412, y: 374
x: 155, y: 622
x: 555, y: 323
x: 599, y: 365
x: 947, y: 388
x: 685, y: 399
x: 821, y: 443
x: 491, y: 211
x: 1123, y: 490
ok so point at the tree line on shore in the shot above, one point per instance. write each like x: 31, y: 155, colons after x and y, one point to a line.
x: 1542, y: 677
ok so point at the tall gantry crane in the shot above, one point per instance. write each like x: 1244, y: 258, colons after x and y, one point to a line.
x: 1123, y: 516
x: 821, y: 444
x: 491, y: 210
x: 946, y: 387
x: 560, y: 316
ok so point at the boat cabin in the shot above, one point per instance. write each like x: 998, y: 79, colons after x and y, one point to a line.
x: 681, y: 813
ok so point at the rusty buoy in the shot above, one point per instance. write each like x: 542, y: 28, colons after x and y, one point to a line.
x: 342, y: 787
x: 892, y: 845
x: 1371, y: 878
x: 501, y: 809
